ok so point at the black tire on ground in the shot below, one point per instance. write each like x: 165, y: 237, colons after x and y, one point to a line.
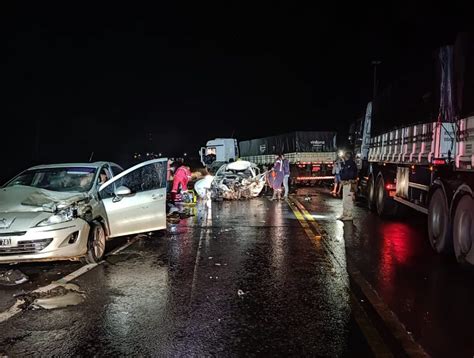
x: 463, y: 230
x: 385, y: 205
x: 371, y: 194
x: 96, y: 243
x: 439, y: 223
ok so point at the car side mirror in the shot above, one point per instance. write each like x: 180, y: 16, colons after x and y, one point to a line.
x: 122, y: 191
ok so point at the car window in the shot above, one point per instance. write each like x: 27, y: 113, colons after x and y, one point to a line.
x: 116, y: 170
x: 104, y: 175
x: 73, y: 179
x: 149, y: 177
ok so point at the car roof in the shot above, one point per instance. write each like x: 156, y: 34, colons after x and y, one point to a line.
x: 66, y: 165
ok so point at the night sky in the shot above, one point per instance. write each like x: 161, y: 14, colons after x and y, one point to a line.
x: 101, y: 79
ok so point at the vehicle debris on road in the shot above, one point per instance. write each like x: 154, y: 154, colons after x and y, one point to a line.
x: 13, y: 277
x: 233, y: 181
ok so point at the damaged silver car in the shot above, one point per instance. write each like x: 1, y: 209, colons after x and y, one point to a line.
x: 237, y: 180
x: 69, y: 211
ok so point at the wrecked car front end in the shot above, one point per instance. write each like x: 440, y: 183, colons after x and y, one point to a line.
x: 43, y: 226
x: 236, y: 181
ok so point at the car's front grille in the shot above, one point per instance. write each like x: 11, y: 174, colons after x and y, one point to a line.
x: 25, y: 247
x: 14, y: 233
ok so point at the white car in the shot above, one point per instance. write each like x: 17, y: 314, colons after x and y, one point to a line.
x: 69, y: 211
x: 233, y: 181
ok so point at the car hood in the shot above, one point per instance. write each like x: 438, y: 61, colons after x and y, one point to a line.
x: 19, y: 198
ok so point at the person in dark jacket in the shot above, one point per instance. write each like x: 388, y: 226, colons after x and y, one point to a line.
x: 286, y: 175
x: 348, y: 175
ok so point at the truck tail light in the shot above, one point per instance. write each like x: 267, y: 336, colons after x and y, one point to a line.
x: 390, y: 186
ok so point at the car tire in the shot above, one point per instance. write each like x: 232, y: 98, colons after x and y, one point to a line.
x: 439, y: 223
x: 96, y: 243
x: 463, y: 230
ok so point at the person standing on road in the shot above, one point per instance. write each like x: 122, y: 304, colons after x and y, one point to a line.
x: 336, y: 170
x: 348, y: 180
x: 276, y: 179
x: 286, y: 175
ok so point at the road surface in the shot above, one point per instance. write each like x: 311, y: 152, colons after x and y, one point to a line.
x: 257, y: 278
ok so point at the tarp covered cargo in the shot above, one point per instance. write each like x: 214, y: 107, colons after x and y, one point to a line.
x: 444, y: 85
x: 464, y: 74
x: 307, y: 141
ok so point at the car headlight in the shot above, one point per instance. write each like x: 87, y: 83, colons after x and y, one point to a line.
x: 58, y: 218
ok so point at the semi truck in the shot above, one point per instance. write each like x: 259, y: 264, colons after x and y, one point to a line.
x: 311, y: 154
x: 427, y: 166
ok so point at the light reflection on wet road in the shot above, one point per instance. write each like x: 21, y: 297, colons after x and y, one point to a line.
x: 178, y: 295
x: 431, y: 294
x: 245, y: 279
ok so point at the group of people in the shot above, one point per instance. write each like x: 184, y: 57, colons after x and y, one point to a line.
x: 279, y: 176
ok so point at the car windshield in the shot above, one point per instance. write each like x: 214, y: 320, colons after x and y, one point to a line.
x: 75, y: 179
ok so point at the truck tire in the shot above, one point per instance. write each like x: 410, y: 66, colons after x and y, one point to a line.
x: 463, y: 233
x: 371, y: 194
x: 96, y: 243
x: 384, y: 204
x: 439, y: 223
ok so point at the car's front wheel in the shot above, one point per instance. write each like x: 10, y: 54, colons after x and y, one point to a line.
x: 96, y: 243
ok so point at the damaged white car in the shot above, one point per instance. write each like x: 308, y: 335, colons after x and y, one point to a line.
x: 233, y: 181
x: 69, y: 211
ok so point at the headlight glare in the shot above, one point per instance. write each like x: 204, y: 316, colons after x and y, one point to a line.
x: 58, y: 218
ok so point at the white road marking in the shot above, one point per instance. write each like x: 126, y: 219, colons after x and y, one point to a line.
x: 15, y: 308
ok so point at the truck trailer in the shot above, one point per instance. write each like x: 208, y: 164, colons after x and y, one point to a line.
x: 426, y: 166
x: 311, y: 154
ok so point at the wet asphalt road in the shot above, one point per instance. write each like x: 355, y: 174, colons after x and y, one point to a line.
x: 432, y: 295
x: 245, y: 278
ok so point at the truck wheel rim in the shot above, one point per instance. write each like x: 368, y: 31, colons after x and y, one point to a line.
x: 371, y: 191
x: 437, y: 217
x: 380, y: 195
x: 464, y: 229
x: 436, y: 220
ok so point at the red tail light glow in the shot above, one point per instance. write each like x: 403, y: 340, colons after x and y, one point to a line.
x: 390, y: 186
x: 439, y: 162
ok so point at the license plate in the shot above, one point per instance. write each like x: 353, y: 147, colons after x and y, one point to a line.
x: 6, y: 242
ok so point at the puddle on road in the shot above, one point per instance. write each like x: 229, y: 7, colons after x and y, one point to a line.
x: 115, y: 259
x: 59, y: 297
x: 49, y: 303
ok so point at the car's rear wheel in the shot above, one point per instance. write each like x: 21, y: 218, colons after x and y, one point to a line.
x: 96, y: 243
x: 464, y: 230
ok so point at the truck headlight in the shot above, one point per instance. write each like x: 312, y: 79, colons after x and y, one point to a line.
x: 58, y: 218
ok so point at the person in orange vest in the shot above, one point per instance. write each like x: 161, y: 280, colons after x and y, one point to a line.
x: 180, y: 180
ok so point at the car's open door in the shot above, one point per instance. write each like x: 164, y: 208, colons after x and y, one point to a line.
x: 135, y: 200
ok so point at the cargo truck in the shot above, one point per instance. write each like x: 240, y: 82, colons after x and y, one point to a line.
x: 426, y: 166
x: 311, y: 154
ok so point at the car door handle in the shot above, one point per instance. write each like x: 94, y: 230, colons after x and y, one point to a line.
x: 157, y: 196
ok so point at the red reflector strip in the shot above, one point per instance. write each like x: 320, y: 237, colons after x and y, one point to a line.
x: 315, y: 178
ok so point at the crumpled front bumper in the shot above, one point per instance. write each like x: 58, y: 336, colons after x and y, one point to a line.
x: 66, y: 241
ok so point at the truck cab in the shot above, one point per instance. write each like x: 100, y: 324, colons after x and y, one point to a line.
x: 218, y: 152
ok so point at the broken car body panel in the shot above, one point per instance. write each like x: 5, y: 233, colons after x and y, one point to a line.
x: 236, y: 180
